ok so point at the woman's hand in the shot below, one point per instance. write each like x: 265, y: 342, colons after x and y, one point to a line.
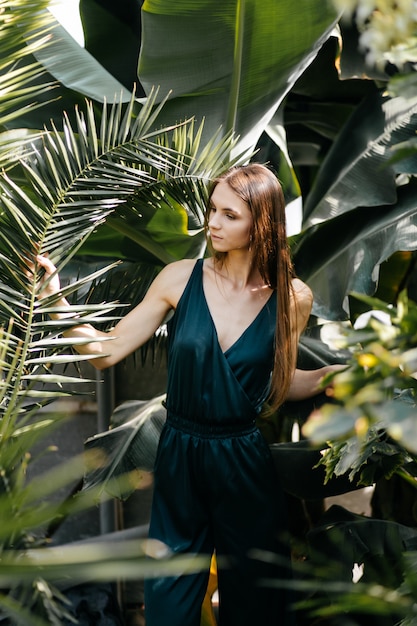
x: 50, y: 284
x: 309, y: 383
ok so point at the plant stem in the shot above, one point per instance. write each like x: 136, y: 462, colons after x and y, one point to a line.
x: 237, y: 67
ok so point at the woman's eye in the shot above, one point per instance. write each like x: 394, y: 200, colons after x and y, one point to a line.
x: 230, y: 216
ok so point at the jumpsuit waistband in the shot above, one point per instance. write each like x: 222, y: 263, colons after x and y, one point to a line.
x: 211, y: 429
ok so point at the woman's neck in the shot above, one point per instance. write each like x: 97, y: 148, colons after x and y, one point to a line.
x: 238, y: 271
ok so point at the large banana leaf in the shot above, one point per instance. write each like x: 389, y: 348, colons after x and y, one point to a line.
x: 63, y: 58
x: 385, y: 593
x: 357, y: 169
x: 119, y: 25
x: 343, y: 254
x: 317, y: 108
x: 231, y: 66
x: 234, y: 64
x: 128, y: 448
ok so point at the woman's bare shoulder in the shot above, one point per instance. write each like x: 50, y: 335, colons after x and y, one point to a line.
x: 178, y: 270
x: 301, y: 290
x: 173, y: 279
x: 303, y: 297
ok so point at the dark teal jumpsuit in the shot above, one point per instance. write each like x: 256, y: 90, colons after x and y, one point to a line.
x: 215, y: 485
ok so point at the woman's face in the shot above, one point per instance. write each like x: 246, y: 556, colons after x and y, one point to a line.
x: 230, y: 220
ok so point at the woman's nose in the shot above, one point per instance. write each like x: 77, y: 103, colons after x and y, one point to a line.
x: 213, y: 222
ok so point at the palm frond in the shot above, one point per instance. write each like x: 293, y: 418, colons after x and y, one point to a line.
x: 24, y: 29
x: 74, y: 181
x: 165, y: 218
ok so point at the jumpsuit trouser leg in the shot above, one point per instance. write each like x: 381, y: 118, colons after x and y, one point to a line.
x: 218, y: 493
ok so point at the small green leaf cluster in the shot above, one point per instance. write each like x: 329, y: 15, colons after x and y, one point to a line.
x: 371, y: 428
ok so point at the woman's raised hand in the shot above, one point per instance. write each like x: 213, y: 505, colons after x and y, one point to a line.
x: 50, y: 283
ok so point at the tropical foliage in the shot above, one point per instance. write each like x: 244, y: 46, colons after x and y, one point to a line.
x: 56, y: 190
x: 93, y: 174
x: 369, y: 433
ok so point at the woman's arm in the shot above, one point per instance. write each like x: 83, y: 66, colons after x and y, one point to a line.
x: 308, y: 383
x: 136, y: 327
x: 303, y: 300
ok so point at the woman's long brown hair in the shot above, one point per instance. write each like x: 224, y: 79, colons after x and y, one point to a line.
x: 259, y: 187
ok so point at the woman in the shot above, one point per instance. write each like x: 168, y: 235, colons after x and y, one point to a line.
x: 233, y: 339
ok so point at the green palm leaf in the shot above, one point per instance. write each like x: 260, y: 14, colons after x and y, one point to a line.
x: 73, y: 181
x: 162, y: 222
x: 18, y: 21
x: 23, y: 81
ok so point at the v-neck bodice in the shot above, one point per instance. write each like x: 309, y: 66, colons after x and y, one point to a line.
x: 203, y: 380
x: 245, y: 330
